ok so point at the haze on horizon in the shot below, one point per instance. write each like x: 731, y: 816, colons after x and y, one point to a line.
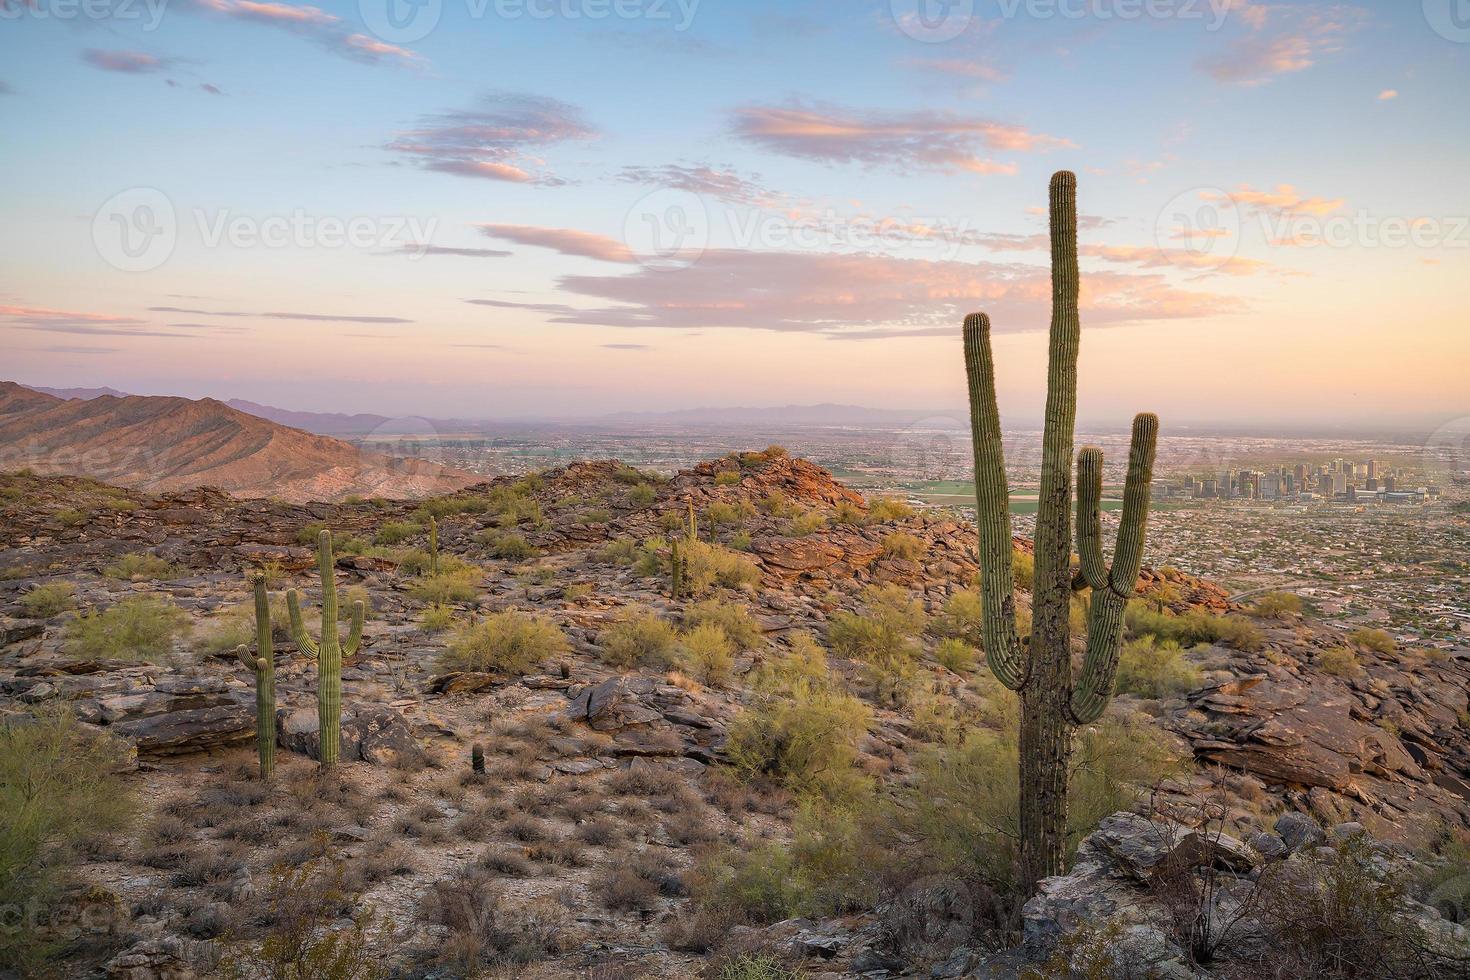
x: 476, y: 210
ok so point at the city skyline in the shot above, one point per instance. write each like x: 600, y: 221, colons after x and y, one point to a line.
x: 708, y: 204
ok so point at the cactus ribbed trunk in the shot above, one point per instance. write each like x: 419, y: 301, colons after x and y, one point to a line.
x: 262, y: 664
x: 1040, y: 671
x: 328, y: 652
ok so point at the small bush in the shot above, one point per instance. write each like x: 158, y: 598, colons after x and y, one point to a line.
x: 777, y: 504
x: 731, y: 617
x: 903, y: 545
x: 1277, y: 605
x: 139, y: 566
x: 1023, y: 569
x: 640, y: 639
x: 510, y: 642
x: 756, y: 966
x: 727, y: 478
x: 1153, y: 669
x: 137, y: 628
x: 1339, y: 662
x: 485, y: 930
x: 711, y: 565
x: 884, y: 632
x: 956, y: 655
x: 642, y: 495
x: 1376, y: 640
x: 1195, y: 626
x: 511, y: 546
x: 709, y: 654
x: 807, y: 522
x: 722, y: 514
x: 961, y: 618
x: 49, y: 599
x: 886, y: 509
x: 445, y: 587
x: 436, y: 619
x: 847, y: 512
x: 621, y: 551
x: 394, y: 532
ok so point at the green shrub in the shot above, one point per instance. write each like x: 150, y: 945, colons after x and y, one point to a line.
x: 436, y: 619
x: 807, y: 522
x: 727, y: 478
x: 740, y: 541
x: 956, y: 655
x: 642, y: 495
x: 961, y: 618
x: 1379, y: 641
x: 445, y: 588
x: 510, y: 546
x: 1339, y: 662
x: 1023, y: 569
x: 1277, y: 605
x: 884, y: 632
x: 756, y: 966
x: 732, y: 618
x: 59, y: 789
x: 901, y: 544
x: 886, y: 509
x: 140, y: 628
x: 847, y: 512
x: 708, y: 654
x: 1195, y: 626
x: 711, y: 565
x: 1153, y: 669
x: 510, y: 642
x: 308, y: 535
x: 396, y: 532
x: 621, y: 551
x: 722, y: 514
x: 138, y: 567
x: 49, y: 599
x: 641, y: 638
x: 777, y: 504
x: 71, y: 517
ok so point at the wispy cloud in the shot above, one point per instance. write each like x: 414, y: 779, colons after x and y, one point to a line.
x: 314, y: 24
x: 322, y: 317
x: 46, y: 320
x: 567, y: 241
x: 627, y: 347
x: 1388, y: 95
x: 494, y: 140
x: 1151, y: 257
x: 927, y: 140
x: 839, y: 295
x: 1285, y: 201
x: 469, y: 253
x: 74, y: 349
x: 724, y: 185
x: 125, y: 62
x: 971, y: 68
x: 1281, y: 39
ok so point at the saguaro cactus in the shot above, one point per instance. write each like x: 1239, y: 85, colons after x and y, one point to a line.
x: 262, y: 664
x: 327, y: 653
x: 676, y: 569
x: 433, y: 546
x: 1040, y: 669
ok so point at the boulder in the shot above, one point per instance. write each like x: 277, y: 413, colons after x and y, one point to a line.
x: 372, y: 733
x: 191, y: 729
x: 163, y: 958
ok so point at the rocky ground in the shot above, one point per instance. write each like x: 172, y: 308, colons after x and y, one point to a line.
x: 601, y: 783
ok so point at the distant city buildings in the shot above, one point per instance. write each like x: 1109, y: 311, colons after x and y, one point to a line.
x: 1339, y: 481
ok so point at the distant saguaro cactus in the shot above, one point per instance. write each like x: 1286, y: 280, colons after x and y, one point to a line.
x: 262, y: 665
x: 1040, y: 670
x: 327, y: 653
x: 433, y: 546
x: 676, y: 569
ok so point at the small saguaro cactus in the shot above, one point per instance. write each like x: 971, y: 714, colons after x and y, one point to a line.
x: 327, y: 653
x: 676, y: 569
x: 262, y: 664
x: 477, y: 759
x: 1040, y: 669
x: 692, y: 526
x: 433, y: 546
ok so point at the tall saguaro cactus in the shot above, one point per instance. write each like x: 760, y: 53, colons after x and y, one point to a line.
x: 327, y: 653
x: 1040, y: 668
x: 262, y: 664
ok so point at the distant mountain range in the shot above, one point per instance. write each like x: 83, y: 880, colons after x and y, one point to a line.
x: 824, y: 415
x: 159, y: 443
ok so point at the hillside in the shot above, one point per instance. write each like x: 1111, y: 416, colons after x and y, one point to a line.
x: 614, y: 801
x: 163, y: 443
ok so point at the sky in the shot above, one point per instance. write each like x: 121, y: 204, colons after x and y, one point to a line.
x: 503, y: 208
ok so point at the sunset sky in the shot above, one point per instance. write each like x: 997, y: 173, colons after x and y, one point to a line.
x: 495, y: 208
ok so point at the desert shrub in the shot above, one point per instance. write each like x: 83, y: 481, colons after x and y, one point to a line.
x: 956, y: 655
x: 807, y: 522
x: 1339, y: 662
x: 484, y: 929
x: 640, y: 639
x: 49, y: 599
x: 1023, y: 569
x: 961, y: 618
x: 592, y: 515
x: 436, y: 619
x: 901, y: 544
x: 396, y: 532
x: 511, y: 546
x: 309, y: 535
x: 1154, y: 669
x: 139, y: 566
x: 1195, y: 626
x: 727, y: 478
x: 800, y: 730
x: 885, y: 630
x: 721, y: 514
x: 70, y: 517
x: 621, y: 551
x: 59, y: 789
x: 442, y: 507
x: 847, y: 512
x: 643, y: 495
x: 963, y: 808
x: 1379, y: 641
x: 510, y: 641
x: 1277, y: 605
x: 137, y: 628
x: 886, y: 509
x: 756, y: 966
x: 711, y: 565
x: 708, y: 653
x: 778, y: 504
x: 446, y: 587
x: 731, y: 617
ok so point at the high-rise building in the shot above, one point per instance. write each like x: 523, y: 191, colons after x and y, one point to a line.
x: 1339, y: 482
x: 1372, y: 469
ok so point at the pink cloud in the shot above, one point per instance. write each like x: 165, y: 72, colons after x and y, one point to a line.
x: 1284, y: 201
x: 1282, y: 40
x: 126, y: 62
x: 1150, y: 257
x: 962, y: 68
x: 325, y: 28
x: 724, y: 185
x: 567, y: 241
x: 929, y: 140
x: 492, y: 141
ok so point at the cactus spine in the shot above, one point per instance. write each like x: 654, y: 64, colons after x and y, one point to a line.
x: 1040, y: 669
x: 433, y: 546
x: 327, y: 653
x: 262, y: 665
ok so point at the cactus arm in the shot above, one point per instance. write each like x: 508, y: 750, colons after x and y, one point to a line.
x: 308, y: 647
x: 1089, y: 517
x: 1094, y: 687
x: 992, y: 507
x: 327, y: 564
x: 246, y: 657
x: 354, y: 635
